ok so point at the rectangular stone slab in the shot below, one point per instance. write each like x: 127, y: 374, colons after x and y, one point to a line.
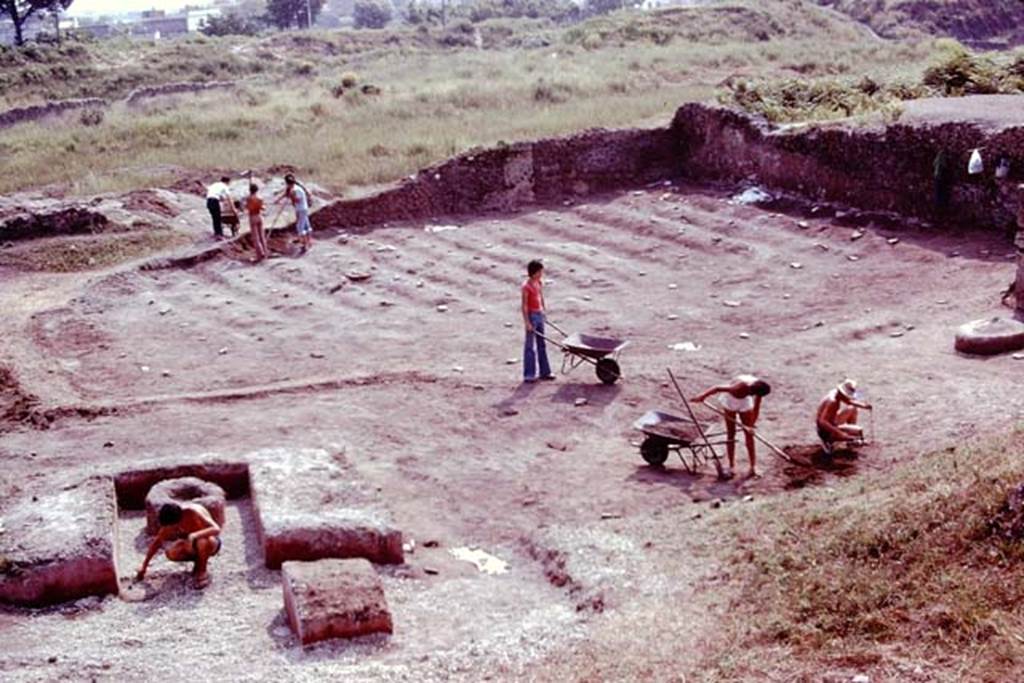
x: 311, y: 506
x: 60, y: 546
x: 334, y: 599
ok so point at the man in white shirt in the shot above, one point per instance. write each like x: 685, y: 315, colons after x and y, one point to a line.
x: 214, y: 195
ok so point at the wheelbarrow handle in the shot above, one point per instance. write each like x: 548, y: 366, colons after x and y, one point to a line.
x: 557, y: 328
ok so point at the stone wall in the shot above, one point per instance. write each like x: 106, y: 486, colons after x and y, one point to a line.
x: 507, y: 177
x: 36, y: 112
x: 881, y: 169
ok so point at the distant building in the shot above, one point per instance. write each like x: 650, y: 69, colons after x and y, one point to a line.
x: 154, y: 24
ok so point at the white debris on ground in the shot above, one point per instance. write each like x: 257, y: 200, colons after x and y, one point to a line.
x: 684, y: 346
x: 484, y: 561
x: 752, y: 195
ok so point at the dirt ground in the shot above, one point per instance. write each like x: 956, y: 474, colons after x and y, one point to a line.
x: 414, y: 373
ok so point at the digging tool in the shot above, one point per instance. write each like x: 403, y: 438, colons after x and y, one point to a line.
x: 700, y: 430
x: 775, y: 449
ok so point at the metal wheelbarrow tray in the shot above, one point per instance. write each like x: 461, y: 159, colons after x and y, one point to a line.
x: 665, y: 432
x: 602, y: 352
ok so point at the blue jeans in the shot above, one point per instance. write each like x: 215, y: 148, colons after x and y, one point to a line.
x: 530, y: 357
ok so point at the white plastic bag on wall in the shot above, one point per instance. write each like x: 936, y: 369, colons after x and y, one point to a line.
x: 975, y: 165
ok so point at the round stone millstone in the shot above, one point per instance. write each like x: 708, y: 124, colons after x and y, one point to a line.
x: 184, y: 490
x: 990, y: 336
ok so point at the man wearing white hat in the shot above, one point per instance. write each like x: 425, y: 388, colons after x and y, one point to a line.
x: 837, y: 415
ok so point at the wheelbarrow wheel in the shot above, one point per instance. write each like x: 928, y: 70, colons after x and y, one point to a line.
x: 607, y: 371
x: 654, y: 451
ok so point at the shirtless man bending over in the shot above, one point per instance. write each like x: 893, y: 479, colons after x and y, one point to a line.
x: 837, y: 416
x: 740, y: 400
x: 195, y: 536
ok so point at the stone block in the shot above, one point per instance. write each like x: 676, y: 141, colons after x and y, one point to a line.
x: 132, y: 486
x: 334, y: 599
x: 60, y: 545
x: 312, y: 506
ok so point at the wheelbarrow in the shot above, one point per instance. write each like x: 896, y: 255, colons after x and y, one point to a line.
x: 579, y: 348
x: 664, y: 433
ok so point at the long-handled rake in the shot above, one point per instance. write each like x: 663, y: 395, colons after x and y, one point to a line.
x: 750, y: 430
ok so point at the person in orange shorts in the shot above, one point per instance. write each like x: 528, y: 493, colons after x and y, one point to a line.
x: 254, y: 207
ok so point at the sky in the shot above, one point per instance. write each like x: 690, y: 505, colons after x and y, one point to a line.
x: 79, y: 7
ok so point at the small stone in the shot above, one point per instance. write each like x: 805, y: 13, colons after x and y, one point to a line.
x: 385, y: 303
x: 508, y: 324
x: 731, y: 304
x: 580, y: 402
x: 144, y: 368
x: 673, y: 286
x: 509, y: 412
x: 860, y: 678
x: 744, y: 335
x: 672, y: 316
x: 358, y: 275
x: 897, y: 333
x: 853, y: 257
x: 893, y: 240
x: 222, y: 351
x: 441, y: 308
x: 803, y: 225
x: 796, y: 266
x: 819, y: 245
x: 748, y: 498
x: 458, y: 368
x: 164, y: 310
x: 432, y: 571
x: 106, y: 444
x: 511, y: 361
x: 857, y: 234
x: 316, y: 354
x: 166, y: 373
x: 1018, y: 356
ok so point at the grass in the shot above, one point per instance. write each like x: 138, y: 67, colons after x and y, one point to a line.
x: 434, y: 101
x: 884, y: 574
x: 70, y: 254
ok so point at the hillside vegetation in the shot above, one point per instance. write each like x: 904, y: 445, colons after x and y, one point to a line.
x: 970, y: 21
x: 429, y: 93
x: 914, y: 574
x: 953, y: 71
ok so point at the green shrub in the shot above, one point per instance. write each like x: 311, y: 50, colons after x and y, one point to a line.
x: 961, y: 72
x: 552, y: 93
x: 371, y: 13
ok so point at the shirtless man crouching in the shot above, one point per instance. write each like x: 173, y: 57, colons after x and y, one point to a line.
x: 195, y: 536
x: 836, y: 419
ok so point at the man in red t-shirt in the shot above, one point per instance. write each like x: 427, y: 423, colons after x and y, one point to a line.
x: 534, y: 351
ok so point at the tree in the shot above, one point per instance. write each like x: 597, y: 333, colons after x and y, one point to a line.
x: 20, y: 11
x: 604, y: 6
x: 231, y: 24
x: 287, y: 13
x: 371, y: 13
